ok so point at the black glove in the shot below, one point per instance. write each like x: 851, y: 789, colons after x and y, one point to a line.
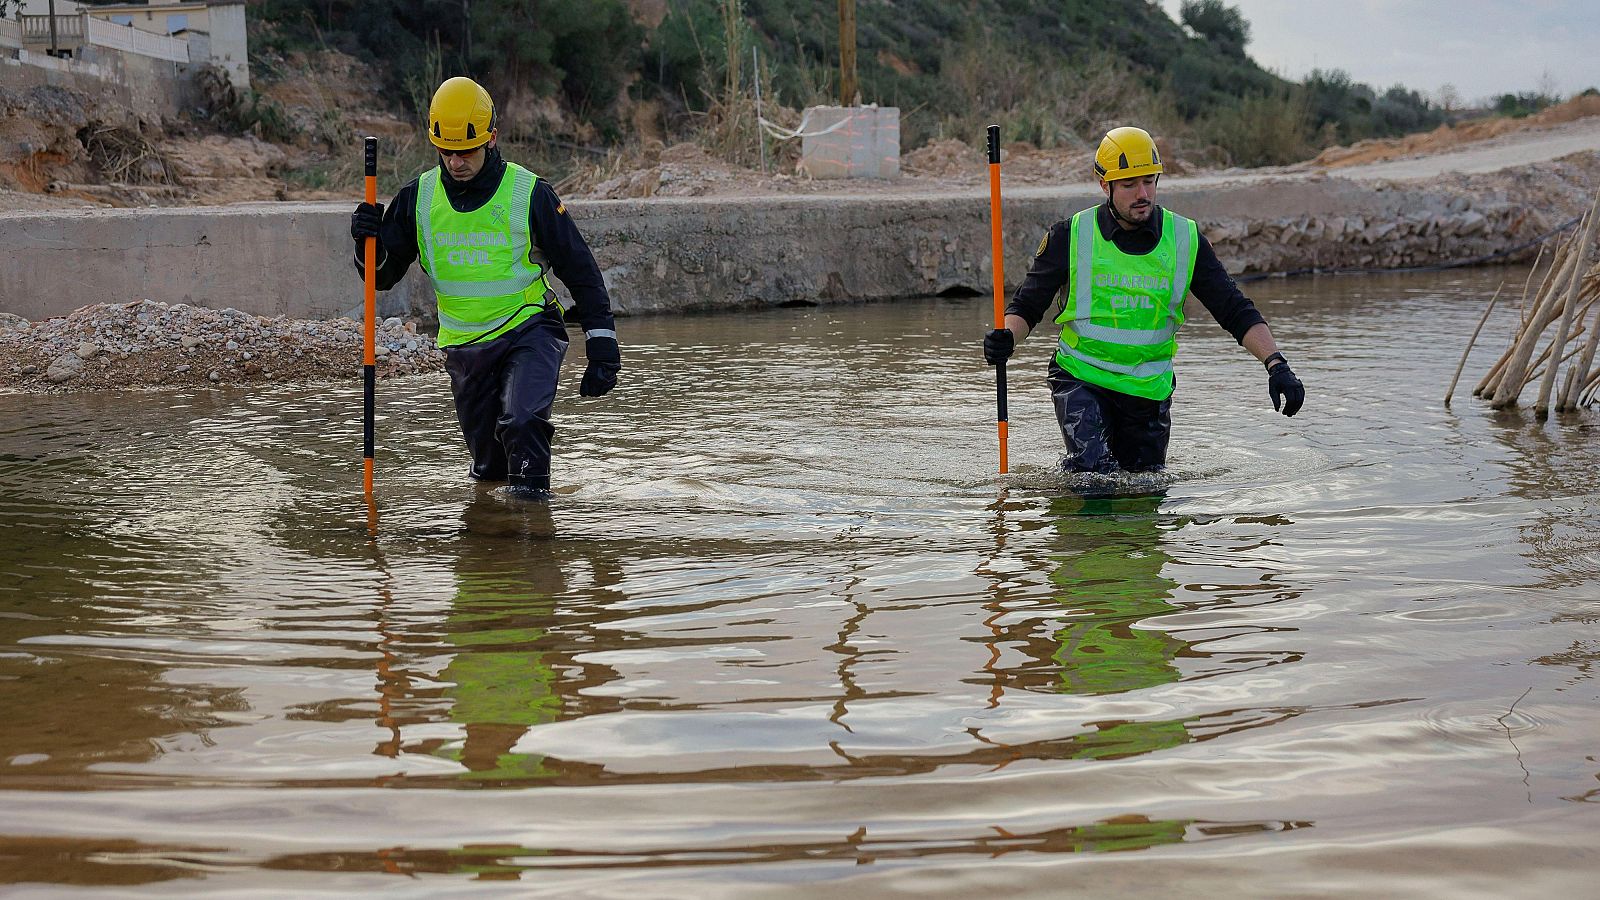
x: 365, y: 221
x: 605, y: 361
x: 1285, y: 389
x: 998, y: 345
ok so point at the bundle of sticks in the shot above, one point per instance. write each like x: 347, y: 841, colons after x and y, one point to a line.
x: 1565, y: 296
x: 122, y: 153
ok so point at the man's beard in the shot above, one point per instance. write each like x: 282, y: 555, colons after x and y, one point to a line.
x: 1138, y: 212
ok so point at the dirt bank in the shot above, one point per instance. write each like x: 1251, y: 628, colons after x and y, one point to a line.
x: 70, y: 145
x: 1448, y: 138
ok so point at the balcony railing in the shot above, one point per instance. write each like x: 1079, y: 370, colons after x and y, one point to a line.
x: 125, y: 37
x: 74, y: 31
x: 69, y: 29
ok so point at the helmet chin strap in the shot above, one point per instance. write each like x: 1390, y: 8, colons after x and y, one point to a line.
x: 1117, y: 213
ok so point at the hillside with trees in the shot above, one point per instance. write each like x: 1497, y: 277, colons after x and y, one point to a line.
x: 600, y: 74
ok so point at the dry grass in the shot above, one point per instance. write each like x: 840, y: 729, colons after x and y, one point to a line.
x: 1047, y: 106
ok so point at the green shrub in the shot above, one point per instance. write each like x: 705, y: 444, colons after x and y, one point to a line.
x: 1523, y: 104
x: 1218, y: 23
x: 1263, y: 129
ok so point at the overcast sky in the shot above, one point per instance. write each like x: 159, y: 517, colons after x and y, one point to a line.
x: 1482, y: 47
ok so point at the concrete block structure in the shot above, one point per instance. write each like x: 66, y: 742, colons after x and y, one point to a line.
x: 851, y: 142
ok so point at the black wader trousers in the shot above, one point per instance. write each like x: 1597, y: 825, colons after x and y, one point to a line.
x: 504, y: 388
x: 1107, y: 430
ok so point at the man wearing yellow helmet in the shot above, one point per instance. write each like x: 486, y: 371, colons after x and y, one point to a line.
x: 1123, y: 270
x: 489, y: 233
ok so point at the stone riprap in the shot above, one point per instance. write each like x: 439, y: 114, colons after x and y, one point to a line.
x: 1249, y: 246
x: 152, y: 344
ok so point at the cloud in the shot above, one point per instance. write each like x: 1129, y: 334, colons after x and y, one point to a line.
x: 1482, y: 47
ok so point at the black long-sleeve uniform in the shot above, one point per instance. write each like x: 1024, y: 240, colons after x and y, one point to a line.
x: 552, y: 229
x: 504, y: 388
x: 1052, y: 270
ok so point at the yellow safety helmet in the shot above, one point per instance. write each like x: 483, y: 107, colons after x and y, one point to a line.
x: 1127, y: 152
x: 461, y: 116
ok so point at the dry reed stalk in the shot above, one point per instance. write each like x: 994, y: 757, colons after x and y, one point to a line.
x: 1547, y: 387
x: 1529, y: 366
x: 1546, y: 307
x: 1535, y: 368
x: 1522, y: 307
x: 1474, y: 339
x: 1579, y: 375
x: 1558, y: 260
x: 1567, y: 387
x: 122, y: 154
x: 1492, y: 379
x: 1587, y: 395
x: 1538, y: 367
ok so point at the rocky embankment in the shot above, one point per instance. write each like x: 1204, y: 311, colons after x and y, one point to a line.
x: 1396, y: 224
x: 1465, y: 229
x: 152, y: 344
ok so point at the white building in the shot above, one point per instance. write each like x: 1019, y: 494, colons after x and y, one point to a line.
x: 42, y: 8
x: 196, y: 32
x: 215, y: 29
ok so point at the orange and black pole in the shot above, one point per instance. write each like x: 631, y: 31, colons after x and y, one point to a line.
x: 369, y: 368
x: 998, y: 250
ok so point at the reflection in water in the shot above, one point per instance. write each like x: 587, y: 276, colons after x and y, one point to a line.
x: 499, y: 680
x: 503, y: 862
x: 95, y: 862
x: 505, y: 670
x: 1110, y: 578
x: 766, y: 640
x: 92, y: 693
x: 1106, y: 567
x: 1553, y: 465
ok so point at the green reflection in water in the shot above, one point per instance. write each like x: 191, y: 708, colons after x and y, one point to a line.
x: 499, y: 681
x: 1109, y: 576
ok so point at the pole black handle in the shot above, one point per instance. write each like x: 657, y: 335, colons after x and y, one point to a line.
x: 372, y: 157
x: 369, y: 397
x: 1000, y: 392
x: 994, y: 145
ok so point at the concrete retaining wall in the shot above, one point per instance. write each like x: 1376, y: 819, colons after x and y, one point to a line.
x: 125, y: 87
x: 663, y: 255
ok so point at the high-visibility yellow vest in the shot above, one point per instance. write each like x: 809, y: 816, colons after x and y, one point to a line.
x: 1119, y: 325
x: 486, y: 271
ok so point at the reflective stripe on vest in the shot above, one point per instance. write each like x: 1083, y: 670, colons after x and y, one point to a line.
x: 493, y: 240
x: 1097, y: 343
x: 1142, y: 370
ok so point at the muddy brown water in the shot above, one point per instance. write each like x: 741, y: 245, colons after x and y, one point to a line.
x: 784, y: 631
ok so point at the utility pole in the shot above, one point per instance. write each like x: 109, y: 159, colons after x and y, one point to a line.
x: 847, y: 53
x: 55, y: 50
